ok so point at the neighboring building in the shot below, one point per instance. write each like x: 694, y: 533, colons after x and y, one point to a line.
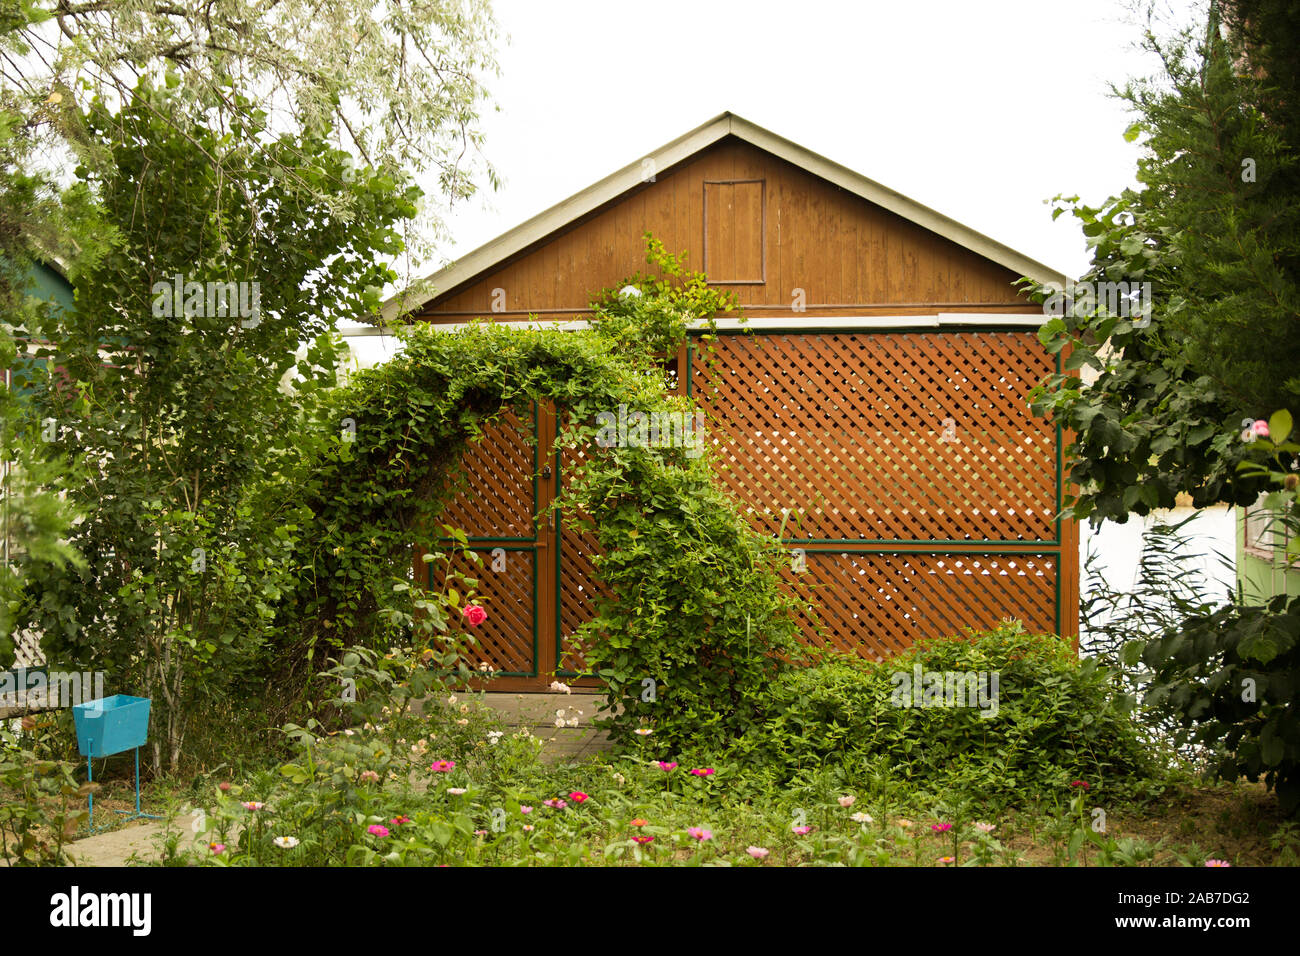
x: 875, y: 419
x: 1262, y: 569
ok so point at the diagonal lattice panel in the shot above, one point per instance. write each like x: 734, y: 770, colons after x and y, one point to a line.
x: 911, y: 436
x: 580, y: 586
x: 875, y: 605
x: 496, y: 493
x: 506, y: 590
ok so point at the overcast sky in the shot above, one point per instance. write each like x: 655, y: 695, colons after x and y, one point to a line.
x: 980, y: 110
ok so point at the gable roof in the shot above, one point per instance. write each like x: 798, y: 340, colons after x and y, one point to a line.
x: 537, y: 228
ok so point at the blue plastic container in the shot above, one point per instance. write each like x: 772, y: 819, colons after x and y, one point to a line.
x: 111, y: 724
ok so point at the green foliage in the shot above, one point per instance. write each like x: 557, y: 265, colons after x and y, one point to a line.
x: 41, y: 804
x: 174, y: 410
x: 1055, y: 719
x: 1215, y: 229
x: 1230, y: 678
x: 696, y: 606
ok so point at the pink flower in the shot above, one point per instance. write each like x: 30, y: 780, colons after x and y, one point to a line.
x: 578, y: 796
x: 702, y: 772
x: 378, y: 829
x: 474, y: 614
x: 847, y: 802
x: 1079, y: 783
x: 555, y: 803
x: 665, y: 766
x: 525, y: 810
x: 398, y: 821
x: 224, y: 787
x: 480, y: 833
x: 757, y: 852
x: 940, y: 827
x: 699, y: 833
x: 1260, y: 428
x: 528, y: 826
x: 252, y: 805
x: 1217, y: 863
x: 369, y: 776
x: 985, y: 827
x: 642, y: 839
x: 802, y: 831
x: 946, y: 860
x: 443, y: 766
x: 220, y: 848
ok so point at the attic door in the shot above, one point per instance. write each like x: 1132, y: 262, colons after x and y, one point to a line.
x: 735, y: 231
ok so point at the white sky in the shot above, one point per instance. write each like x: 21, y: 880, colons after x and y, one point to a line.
x: 980, y: 110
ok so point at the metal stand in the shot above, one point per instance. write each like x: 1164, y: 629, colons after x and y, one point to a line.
x: 137, y: 815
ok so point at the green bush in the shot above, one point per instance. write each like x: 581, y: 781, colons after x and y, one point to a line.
x: 1051, y: 719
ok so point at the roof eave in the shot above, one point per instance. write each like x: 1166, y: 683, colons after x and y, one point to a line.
x: 537, y: 228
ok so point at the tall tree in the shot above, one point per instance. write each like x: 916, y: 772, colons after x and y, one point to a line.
x: 1215, y: 229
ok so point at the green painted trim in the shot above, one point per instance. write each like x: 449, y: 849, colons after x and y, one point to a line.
x: 831, y: 330
x: 428, y: 584
x: 976, y: 542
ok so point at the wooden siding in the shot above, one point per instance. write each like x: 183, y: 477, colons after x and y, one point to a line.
x: 845, y: 253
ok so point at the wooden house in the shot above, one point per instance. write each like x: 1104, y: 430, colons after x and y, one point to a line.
x: 874, y: 415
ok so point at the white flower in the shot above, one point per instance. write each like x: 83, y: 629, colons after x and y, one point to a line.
x: 643, y: 731
x: 451, y: 699
x: 860, y: 817
x: 462, y: 722
x: 285, y: 842
x: 455, y: 791
x: 559, y: 721
x: 620, y: 779
x: 561, y: 712
x: 561, y: 687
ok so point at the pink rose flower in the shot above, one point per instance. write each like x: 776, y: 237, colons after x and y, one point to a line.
x: 474, y: 614
x: 1260, y: 428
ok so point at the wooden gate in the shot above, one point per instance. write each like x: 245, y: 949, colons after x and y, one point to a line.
x: 902, y: 470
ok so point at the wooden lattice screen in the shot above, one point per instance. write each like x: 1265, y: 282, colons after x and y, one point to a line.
x: 902, y: 469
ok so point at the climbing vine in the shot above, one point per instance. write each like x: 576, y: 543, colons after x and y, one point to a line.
x: 695, y: 613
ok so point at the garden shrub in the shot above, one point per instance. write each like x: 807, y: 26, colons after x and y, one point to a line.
x: 1057, y: 719
x: 1228, y: 678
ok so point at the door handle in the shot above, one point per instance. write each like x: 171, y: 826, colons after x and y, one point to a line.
x: 546, y: 471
